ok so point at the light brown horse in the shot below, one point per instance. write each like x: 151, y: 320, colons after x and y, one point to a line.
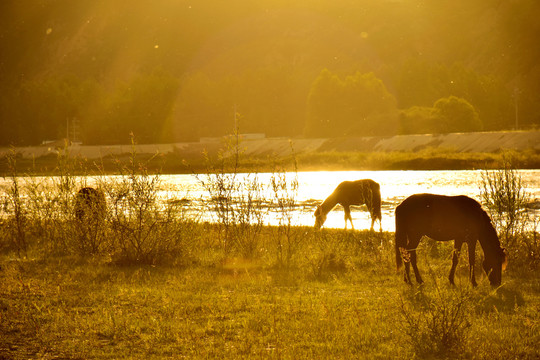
x: 349, y: 193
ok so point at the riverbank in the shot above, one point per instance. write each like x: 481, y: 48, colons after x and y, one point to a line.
x: 405, y: 152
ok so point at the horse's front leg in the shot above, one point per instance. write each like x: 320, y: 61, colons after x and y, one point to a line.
x: 455, y: 258
x: 471, y: 246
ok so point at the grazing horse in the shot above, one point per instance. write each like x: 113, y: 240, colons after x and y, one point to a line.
x: 90, y: 205
x: 445, y: 218
x: 349, y: 193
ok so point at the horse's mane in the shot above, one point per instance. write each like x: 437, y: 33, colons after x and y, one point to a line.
x: 489, y: 229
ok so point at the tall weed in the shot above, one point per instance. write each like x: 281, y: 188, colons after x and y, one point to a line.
x: 505, y: 196
x: 16, y: 222
x: 437, y: 324
x: 236, y: 200
x: 144, y: 229
x: 287, y: 237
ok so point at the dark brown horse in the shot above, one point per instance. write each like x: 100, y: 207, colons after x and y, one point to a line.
x: 349, y: 193
x: 90, y: 204
x: 445, y: 218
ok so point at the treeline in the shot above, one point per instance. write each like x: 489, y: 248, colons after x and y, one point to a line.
x: 97, y: 71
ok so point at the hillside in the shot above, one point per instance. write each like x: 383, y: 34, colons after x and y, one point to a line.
x: 177, y: 71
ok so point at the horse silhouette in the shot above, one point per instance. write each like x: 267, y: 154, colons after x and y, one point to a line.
x: 90, y: 204
x: 445, y: 218
x: 349, y: 193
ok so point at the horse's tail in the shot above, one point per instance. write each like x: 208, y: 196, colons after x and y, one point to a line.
x: 400, y: 236
x: 376, y: 201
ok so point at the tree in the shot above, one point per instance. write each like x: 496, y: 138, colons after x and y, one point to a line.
x: 143, y: 107
x: 417, y: 120
x: 450, y: 114
x: 453, y: 114
x: 351, y: 106
x: 324, y: 108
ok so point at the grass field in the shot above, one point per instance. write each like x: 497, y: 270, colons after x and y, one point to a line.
x: 339, y: 297
x: 136, y: 279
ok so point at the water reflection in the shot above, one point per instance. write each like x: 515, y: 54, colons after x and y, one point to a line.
x: 313, y: 187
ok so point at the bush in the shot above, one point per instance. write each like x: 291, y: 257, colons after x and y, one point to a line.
x: 437, y: 325
x: 503, y: 193
x: 236, y: 200
x: 144, y: 230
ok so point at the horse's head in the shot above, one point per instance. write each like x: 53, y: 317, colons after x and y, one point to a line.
x: 320, y: 217
x: 494, y: 263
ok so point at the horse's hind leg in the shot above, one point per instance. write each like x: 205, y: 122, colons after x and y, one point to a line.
x: 407, y: 275
x: 348, y: 216
x: 455, y: 259
x: 415, y: 268
x: 471, y: 247
x: 413, y: 245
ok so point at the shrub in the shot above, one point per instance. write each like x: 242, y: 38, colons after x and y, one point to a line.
x: 17, y: 217
x: 437, y: 325
x: 503, y: 193
x: 286, y: 237
x: 236, y: 200
x: 144, y: 229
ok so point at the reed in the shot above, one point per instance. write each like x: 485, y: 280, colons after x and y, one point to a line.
x: 504, y: 194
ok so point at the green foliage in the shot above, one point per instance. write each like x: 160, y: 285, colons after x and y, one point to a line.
x: 171, y: 74
x: 144, y: 106
x: 351, y: 106
x: 451, y: 114
x: 454, y: 114
x: 417, y: 120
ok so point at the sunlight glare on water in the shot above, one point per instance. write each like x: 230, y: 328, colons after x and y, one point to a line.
x: 314, y: 187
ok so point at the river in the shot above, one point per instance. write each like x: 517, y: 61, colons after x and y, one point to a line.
x: 313, y: 187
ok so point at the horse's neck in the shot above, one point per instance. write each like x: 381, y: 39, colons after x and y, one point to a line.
x: 329, y: 203
x: 489, y: 240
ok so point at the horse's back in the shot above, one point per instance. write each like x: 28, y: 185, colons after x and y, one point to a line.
x: 355, y: 192
x: 443, y: 217
x: 357, y: 186
x: 434, y: 202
